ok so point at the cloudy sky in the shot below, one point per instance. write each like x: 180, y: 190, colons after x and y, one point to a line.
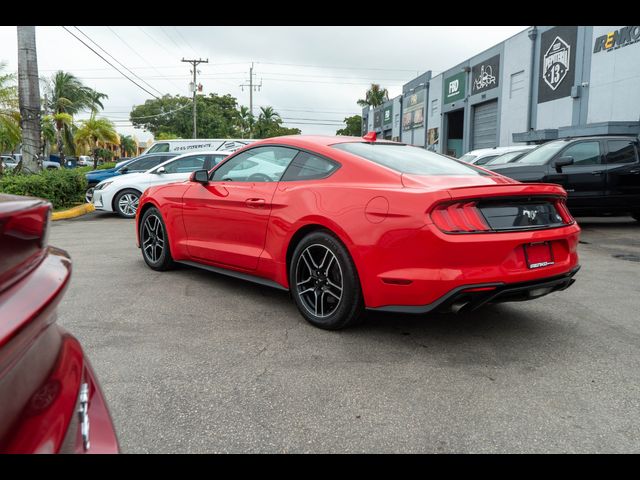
x: 312, y: 76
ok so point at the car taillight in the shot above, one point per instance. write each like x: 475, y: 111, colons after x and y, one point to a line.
x: 563, y: 211
x: 459, y: 217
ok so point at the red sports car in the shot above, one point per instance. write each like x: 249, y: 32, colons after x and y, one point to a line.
x: 50, y: 400
x: 347, y: 223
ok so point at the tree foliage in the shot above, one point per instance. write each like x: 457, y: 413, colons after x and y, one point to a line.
x: 95, y: 130
x: 68, y: 95
x: 128, y: 146
x: 353, y: 126
x: 10, y: 135
x: 375, y: 96
x: 218, y: 117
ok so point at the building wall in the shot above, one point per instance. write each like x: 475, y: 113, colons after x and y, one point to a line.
x: 515, y: 79
x: 434, y: 110
x: 614, y: 85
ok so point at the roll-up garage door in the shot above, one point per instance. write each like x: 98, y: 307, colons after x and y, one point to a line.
x: 485, y: 125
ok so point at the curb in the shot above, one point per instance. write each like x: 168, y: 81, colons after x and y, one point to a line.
x: 73, y: 212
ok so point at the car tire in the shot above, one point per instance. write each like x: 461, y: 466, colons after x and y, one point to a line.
x: 88, y: 195
x: 324, y: 282
x: 154, y: 241
x: 125, y: 203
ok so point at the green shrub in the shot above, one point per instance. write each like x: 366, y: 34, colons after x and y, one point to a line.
x: 62, y: 187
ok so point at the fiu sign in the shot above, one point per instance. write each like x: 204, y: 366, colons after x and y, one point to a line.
x: 617, y: 39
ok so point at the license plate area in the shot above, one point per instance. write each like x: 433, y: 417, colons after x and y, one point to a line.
x: 538, y: 255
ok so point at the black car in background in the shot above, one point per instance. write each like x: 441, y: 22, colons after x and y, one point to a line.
x: 600, y: 174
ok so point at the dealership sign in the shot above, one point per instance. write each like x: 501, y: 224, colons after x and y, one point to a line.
x: 617, y: 39
x: 557, y: 60
x: 386, y: 115
x: 485, y: 75
x: 454, y: 88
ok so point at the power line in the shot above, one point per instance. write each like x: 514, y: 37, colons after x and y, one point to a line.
x: 119, y: 62
x: 107, y: 61
x: 140, y: 56
x: 184, y: 39
x: 344, y: 68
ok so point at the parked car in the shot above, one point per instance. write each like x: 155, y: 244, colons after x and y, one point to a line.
x: 600, y: 173
x: 85, y: 161
x: 50, y: 396
x: 484, y: 155
x: 8, y: 162
x: 133, y: 165
x: 11, y: 162
x: 121, y: 194
x: 509, y: 157
x: 352, y: 223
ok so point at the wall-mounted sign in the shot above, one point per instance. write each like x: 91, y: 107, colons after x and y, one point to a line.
x: 413, y: 115
x: 377, y: 118
x: 454, y: 87
x: 617, y: 39
x: 387, y: 115
x: 432, y: 136
x: 557, y: 63
x: 485, y: 75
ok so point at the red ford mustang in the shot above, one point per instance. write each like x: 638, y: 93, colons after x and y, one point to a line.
x: 347, y: 223
x: 50, y: 400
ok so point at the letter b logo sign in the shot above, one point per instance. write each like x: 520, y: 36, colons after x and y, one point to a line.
x: 453, y: 87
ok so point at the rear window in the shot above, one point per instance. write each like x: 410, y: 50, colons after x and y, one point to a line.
x: 159, y: 148
x: 409, y: 159
x: 468, y: 157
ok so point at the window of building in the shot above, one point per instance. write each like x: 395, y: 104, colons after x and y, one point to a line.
x: 434, y: 107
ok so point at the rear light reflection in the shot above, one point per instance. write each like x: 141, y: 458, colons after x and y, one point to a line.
x: 459, y: 217
x: 563, y: 211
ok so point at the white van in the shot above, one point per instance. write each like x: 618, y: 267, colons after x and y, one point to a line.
x: 185, y: 146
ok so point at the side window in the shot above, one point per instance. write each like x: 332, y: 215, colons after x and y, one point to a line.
x: 159, y: 148
x: 621, y: 151
x: 144, y: 163
x: 584, y: 153
x: 309, y: 167
x: 186, y: 164
x: 484, y: 160
x: 214, y: 160
x: 261, y: 164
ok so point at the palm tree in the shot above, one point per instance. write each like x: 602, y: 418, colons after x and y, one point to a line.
x: 128, y: 145
x: 10, y: 134
x: 95, y: 130
x: 375, y: 96
x: 267, y: 120
x: 246, y: 121
x: 68, y: 95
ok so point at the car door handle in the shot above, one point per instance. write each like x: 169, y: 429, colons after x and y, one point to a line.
x: 635, y: 171
x: 598, y: 172
x: 255, y: 202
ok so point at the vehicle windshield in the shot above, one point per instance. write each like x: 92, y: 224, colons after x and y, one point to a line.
x: 409, y: 159
x: 506, y: 158
x: 468, y: 157
x: 542, y: 154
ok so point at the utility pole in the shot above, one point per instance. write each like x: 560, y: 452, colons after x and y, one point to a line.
x: 252, y: 87
x: 195, y: 63
x: 29, y: 96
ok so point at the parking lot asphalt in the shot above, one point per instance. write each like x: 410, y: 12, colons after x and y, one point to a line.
x: 195, y: 362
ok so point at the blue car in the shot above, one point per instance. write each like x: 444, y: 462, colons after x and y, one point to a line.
x: 137, y: 164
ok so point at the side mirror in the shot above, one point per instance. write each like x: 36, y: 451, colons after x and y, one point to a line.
x: 200, y: 176
x: 124, y: 169
x: 161, y: 170
x: 558, y: 163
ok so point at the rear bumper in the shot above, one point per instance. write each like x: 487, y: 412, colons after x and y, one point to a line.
x: 471, y: 297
